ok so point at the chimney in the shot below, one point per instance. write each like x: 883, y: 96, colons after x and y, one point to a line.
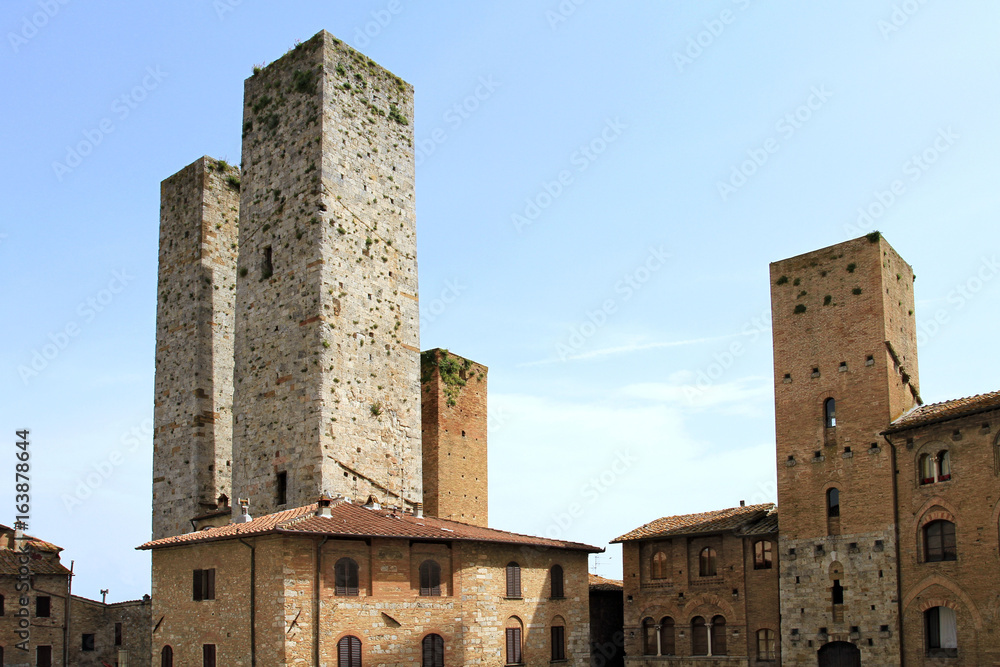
x: 324, y: 506
x: 418, y: 510
x: 244, y: 516
x: 372, y: 503
x: 743, y: 503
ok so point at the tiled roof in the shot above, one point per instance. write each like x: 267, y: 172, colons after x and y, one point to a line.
x: 39, y: 564
x: 602, y: 584
x: 349, y: 520
x: 36, y: 544
x: 939, y: 412
x: 735, y: 519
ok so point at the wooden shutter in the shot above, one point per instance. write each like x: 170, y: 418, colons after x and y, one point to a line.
x: 196, y: 586
x: 208, y: 655
x: 513, y: 580
x: 558, y: 642
x: 209, y: 578
x: 343, y: 653
x: 355, y: 652
x: 513, y: 646
x: 557, y: 581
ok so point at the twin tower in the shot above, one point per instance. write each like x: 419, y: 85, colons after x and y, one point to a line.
x: 287, y: 358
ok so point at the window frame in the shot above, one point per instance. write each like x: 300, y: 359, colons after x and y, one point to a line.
x: 719, y: 639
x: 833, y: 503
x: 708, y: 565
x: 345, y: 573
x: 932, y: 628
x: 429, y: 573
x: 435, y: 643
x: 937, y: 548
x: 40, y: 605
x: 658, y: 565
x: 349, y: 651
x: 513, y: 581
x: 514, y: 646
x: 767, y: 645
x: 167, y: 656
x: 699, y: 636
x: 668, y: 647
x: 557, y: 582
x: 557, y: 642
x: 208, y: 655
x: 203, y: 585
x: 830, y: 413
x: 763, y: 555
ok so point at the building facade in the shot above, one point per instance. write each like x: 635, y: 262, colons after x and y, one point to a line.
x: 702, y: 589
x: 339, y: 584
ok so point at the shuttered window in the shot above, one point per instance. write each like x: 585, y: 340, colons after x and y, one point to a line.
x: 203, y: 585
x: 557, y: 582
x: 430, y: 578
x: 433, y: 651
x: 699, y: 636
x: 558, y: 642
x: 346, y: 577
x: 513, y: 646
x: 349, y: 652
x: 513, y: 580
x: 43, y: 656
x: 208, y: 655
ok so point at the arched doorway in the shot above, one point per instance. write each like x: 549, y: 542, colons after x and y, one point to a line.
x: 840, y: 654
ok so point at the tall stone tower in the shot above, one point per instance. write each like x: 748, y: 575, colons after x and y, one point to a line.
x: 192, y: 414
x: 327, y: 394
x: 453, y: 401
x: 845, y: 366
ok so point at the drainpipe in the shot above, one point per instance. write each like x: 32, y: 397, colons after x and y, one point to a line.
x: 253, y: 601
x: 316, y: 590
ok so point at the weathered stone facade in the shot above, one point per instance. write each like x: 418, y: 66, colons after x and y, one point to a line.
x: 192, y: 414
x: 272, y: 583
x: 711, y: 575
x: 327, y: 394
x: 454, y: 420
x: 844, y: 330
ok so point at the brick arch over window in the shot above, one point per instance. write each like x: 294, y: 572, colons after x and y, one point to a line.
x: 930, y: 449
x: 707, y: 605
x: 938, y: 601
x: 936, y: 512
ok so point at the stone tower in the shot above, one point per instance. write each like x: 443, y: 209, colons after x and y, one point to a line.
x: 453, y: 402
x: 327, y: 394
x: 192, y: 414
x: 845, y: 366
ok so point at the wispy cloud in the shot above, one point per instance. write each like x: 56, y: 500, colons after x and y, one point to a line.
x: 626, y: 349
x: 744, y: 396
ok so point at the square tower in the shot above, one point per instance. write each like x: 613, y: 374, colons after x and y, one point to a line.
x: 327, y: 394
x: 454, y: 425
x: 192, y: 413
x: 845, y: 366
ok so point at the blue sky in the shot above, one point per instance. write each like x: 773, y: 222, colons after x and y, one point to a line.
x: 595, y: 218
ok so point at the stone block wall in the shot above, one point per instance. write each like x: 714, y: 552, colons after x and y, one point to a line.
x: 44, y: 631
x: 454, y: 420
x: 192, y: 414
x: 327, y: 345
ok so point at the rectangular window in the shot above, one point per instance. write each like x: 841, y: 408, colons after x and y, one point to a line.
x: 558, y: 642
x: 118, y: 634
x: 203, y: 585
x: 267, y: 267
x: 43, y: 606
x: 208, y: 655
x: 43, y: 656
x: 88, y: 642
x: 513, y: 646
x: 281, y: 488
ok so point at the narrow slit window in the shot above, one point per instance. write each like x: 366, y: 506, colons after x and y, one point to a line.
x: 281, y: 488
x: 267, y: 266
x: 830, y: 412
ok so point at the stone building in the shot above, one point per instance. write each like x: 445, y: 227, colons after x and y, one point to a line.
x: 44, y: 625
x: 702, y: 589
x: 336, y: 583
x: 607, y: 618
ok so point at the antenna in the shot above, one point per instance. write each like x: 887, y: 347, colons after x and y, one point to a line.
x: 104, y: 595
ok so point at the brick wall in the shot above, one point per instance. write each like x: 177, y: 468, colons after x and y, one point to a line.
x: 44, y: 631
x: 192, y: 414
x: 454, y: 420
x: 327, y: 340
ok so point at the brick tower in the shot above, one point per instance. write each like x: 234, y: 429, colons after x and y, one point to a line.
x: 327, y: 395
x: 845, y: 366
x: 453, y: 403
x: 192, y: 414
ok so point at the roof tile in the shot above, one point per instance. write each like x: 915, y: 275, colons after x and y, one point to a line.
x: 938, y: 412
x: 743, y: 520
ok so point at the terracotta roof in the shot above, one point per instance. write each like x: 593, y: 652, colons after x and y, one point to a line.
x: 602, y: 584
x: 39, y: 564
x: 349, y: 520
x: 939, y: 412
x: 735, y: 519
x: 36, y: 544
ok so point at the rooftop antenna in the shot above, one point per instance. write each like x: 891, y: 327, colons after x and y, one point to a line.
x: 104, y: 595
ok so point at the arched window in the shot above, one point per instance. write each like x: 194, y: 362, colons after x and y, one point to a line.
x: 667, y: 645
x: 346, y: 577
x: 706, y: 562
x: 556, y: 586
x: 699, y: 636
x: 941, y: 632
x: 513, y: 580
x: 433, y: 651
x: 430, y: 578
x: 513, y: 635
x: 833, y: 502
x: 648, y: 636
x: 939, y: 541
x: 167, y: 657
x: 767, y: 645
x: 944, y: 465
x: 762, y: 555
x: 926, y: 469
x: 830, y: 412
x: 659, y: 566
x: 558, y: 638
x: 349, y: 652
x: 719, y: 635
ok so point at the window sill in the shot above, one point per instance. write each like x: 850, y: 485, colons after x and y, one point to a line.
x: 513, y: 597
x: 558, y: 597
